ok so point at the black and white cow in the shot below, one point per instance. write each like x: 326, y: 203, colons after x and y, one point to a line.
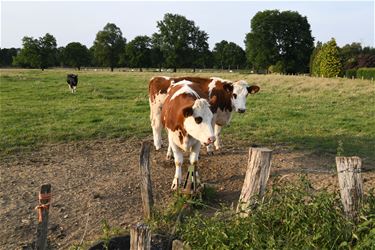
x: 72, y: 81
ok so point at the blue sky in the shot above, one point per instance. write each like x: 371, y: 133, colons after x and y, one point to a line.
x: 68, y: 21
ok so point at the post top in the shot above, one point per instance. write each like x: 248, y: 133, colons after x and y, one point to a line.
x: 262, y: 149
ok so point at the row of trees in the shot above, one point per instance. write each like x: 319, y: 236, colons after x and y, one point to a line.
x: 179, y: 43
x: 279, y: 42
x: 329, y: 60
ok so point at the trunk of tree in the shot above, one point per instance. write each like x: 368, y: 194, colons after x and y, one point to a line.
x: 159, y: 68
x: 174, y: 69
x: 140, y: 69
x: 112, y: 68
x: 193, y: 70
x: 79, y: 68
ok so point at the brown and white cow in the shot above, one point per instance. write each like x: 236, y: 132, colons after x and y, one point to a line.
x: 187, y: 116
x: 230, y: 96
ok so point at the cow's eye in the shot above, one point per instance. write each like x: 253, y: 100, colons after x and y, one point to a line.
x: 235, y: 96
x: 198, y: 119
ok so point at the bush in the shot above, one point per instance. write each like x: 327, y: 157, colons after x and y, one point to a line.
x: 350, y: 73
x: 290, y: 217
x: 366, y: 73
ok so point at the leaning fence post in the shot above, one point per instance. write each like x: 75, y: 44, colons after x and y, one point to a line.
x: 257, y: 173
x: 146, y: 186
x: 350, y: 182
x: 42, y: 208
x: 140, y: 237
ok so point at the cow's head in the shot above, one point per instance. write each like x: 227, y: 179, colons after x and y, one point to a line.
x: 198, y: 121
x: 240, y: 91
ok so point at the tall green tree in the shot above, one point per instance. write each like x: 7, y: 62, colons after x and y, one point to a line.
x: 229, y: 55
x: 76, y: 55
x: 220, y: 54
x: 138, y: 52
x: 283, y: 37
x: 37, y: 53
x: 108, y: 46
x: 178, y: 38
x: 330, y: 63
x: 157, y: 57
x: 199, y: 48
x: 314, y: 62
x: 6, y: 56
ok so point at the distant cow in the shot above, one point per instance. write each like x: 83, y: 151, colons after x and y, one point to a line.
x: 72, y: 81
x: 225, y: 97
x: 187, y: 117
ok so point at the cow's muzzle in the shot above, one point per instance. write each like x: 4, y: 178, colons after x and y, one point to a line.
x: 241, y: 110
x: 210, y: 140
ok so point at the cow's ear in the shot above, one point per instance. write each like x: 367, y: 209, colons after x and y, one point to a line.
x: 253, y: 89
x: 228, y: 87
x: 187, y: 111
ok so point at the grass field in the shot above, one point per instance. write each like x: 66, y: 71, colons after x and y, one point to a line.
x: 37, y: 108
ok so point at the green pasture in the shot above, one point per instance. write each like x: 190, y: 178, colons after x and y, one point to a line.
x: 300, y: 112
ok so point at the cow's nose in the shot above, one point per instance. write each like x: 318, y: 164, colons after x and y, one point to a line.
x: 211, y: 139
x: 241, y: 110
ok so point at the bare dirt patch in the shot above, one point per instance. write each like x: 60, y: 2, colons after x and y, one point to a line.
x: 96, y: 180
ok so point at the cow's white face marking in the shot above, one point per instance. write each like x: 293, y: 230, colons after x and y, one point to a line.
x: 185, y: 89
x: 239, y: 95
x: 199, y: 125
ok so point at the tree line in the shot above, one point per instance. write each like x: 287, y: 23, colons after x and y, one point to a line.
x: 279, y: 42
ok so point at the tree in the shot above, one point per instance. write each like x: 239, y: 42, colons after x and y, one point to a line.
x: 329, y: 59
x: 179, y: 37
x: 138, y: 52
x: 37, y: 53
x: 279, y: 36
x: 229, y: 55
x: 219, y: 53
x: 314, y: 62
x: 76, y: 55
x: 199, y: 48
x: 108, y: 46
x: 6, y: 56
x: 157, y: 57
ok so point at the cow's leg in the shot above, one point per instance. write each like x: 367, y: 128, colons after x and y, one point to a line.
x: 194, y: 156
x: 210, y: 147
x: 179, y: 158
x: 157, y: 126
x: 217, y: 143
x: 169, y: 153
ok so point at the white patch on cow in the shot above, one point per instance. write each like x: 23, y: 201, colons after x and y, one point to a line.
x: 240, y: 90
x: 202, y: 131
x: 183, y: 82
x: 211, y: 86
x: 166, y: 77
x: 155, y: 118
x: 185, y: 89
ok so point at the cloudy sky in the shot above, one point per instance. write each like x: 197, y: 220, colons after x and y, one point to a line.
x: 68, y: 21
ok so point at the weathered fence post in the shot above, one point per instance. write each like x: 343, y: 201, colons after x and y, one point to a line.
x: 43, y: 207
x: 146, y: 187
x: 257, y: 173
x: 350, y: 182
x: 140, y: 237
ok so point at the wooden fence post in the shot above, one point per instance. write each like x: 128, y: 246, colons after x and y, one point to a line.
x: 350, y: 182
x: 146, y: 186
x: 140, y: 237
x: 257, y: 173
x: 43, y: 208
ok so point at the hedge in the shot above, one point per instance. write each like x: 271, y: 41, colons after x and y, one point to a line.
x: 366, y: 73
x: 350, y: 73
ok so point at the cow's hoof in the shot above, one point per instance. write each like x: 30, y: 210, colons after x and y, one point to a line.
x: 169, y: 157
x: 174, y: 184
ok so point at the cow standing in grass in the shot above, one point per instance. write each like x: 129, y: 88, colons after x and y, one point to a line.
x: 187, y: 117
x: 225, y: 98
x: 72, y: 81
